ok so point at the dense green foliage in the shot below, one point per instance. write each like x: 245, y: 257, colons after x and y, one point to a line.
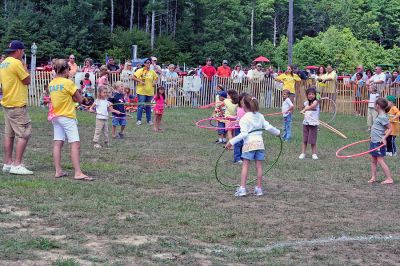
x: 343, y: 33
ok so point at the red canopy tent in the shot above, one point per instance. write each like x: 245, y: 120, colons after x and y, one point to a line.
x: 261, y: 59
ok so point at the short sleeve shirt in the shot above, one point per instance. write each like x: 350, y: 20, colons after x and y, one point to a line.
x: 148, y: 76
x: 118, y: 100
x: 12, y: 73
x: 61, y: 92
x: 378, y: 128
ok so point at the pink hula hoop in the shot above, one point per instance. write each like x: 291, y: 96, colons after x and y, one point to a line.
x: 198, y: 124
x: 272, y: 114
x: 357, y: 154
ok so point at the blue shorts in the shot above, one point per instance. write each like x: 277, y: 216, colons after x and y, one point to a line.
x: 379, y: 152
x: 258, y: 155
x: 119, y: 121
x: 221, y: 131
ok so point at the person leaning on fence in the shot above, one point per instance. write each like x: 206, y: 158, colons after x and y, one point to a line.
x: 147, y: 80
x: 208, y: 72
x: 378, y: 79
x: 14, y: 78
x: 73, y: 67
x: 171, y: 80
x: 103, y: 77
x: 224, y: 71
x: 394, y: 114
x: 289, y: 80
x: 372, y: 113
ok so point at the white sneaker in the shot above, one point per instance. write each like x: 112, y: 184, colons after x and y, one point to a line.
x: 238, y: 162
x: 20, y: 170
x: 150, y: 123
x: 395, y: 154
x: 240, y: 192
x: 389, y: 154
x: 6, y: 168
x: 139, y: 123
x: 314, y: 157
x: 258, y: 191
x: 302, y: 156
x: 97, y: 146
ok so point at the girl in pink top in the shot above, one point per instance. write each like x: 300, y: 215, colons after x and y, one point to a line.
x: 103, y: 79
x: 160, y: 100
x: 237, y: 148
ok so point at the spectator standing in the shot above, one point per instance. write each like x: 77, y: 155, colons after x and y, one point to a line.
x: 127, y: 73
x: 330, y: 79
x: 14, y: 78
x: 147, y: 80
x: 112, y: 66
x: 103, y: 77
x: 289, y: 80
x: 73, y: 67
x: 238, y: 74
x: 156, y: 68
x: 208, y: 71
x: 321, y: 72
x: 378, y: 79
x: 224, y: 71
x: 2, y: 57
x: 171, y: 81
x: 88, y: 67
x: 359, y: 69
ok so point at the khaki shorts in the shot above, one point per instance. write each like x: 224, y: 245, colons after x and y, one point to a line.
x: 17, y: 123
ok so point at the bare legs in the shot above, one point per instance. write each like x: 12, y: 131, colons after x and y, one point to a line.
x: 157, y: 122
x: 19, y: 150
x: 75, y: 155
x: 245, y: 172
x: 374, y: 163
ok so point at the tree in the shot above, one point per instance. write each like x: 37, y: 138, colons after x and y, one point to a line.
x: 290, y: 33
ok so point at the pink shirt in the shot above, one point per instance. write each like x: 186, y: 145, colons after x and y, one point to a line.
x: 102, y: 81
x: 240, y: 113
x: 159, y: 103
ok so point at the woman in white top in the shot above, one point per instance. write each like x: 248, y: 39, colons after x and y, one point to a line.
x: 238, y: 74
x: 253, y: 145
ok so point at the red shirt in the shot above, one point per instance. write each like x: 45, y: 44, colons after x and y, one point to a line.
x: 209, y: 71
x: 224, y: 72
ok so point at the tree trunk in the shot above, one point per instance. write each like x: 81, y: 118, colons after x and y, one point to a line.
x: 252, y: 26
x: 5, y: 9
x: 153, y: 22
x: 138, y: 14
x: 159, y: 33
x: 112, y: 16
x: 290, y: 33
x: 176, y: 11
x: 132, y: 10
x: 147, y: 23
x: 275, y: 29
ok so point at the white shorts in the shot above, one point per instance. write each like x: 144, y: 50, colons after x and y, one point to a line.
x: 64, y: 126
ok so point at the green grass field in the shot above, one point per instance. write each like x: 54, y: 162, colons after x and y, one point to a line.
x: 156, y: 201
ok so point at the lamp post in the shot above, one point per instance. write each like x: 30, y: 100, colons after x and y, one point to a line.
x: 33, y: 62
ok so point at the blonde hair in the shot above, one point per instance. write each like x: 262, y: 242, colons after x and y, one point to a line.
x: 101, y: 89
x: 60, y: 66
x: 117, y: 84
x: 103, y: 70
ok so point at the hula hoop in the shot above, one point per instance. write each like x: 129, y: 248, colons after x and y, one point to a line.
x: 198, y: 124
x: 206, y: 106
x: 252, y: 180
x: 362, y: 101
x: 133, y: 104
x: 358, y: 154
x: 272, y: 114
x: 334, y: 112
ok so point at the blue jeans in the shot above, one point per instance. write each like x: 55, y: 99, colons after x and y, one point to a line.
x: 142, y: 99
x: 237, y: 148
x: 287, y: 127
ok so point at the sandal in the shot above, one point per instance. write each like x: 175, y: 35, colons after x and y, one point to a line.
x: 387, y: 182
x: 371, y: 181
x: 63, y: 174
x: 84, y: 178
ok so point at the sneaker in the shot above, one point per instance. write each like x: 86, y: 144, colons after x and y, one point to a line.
x: 302, y: 156
x: 395, y: 154
x: 258, y: 191
x: 240, y: 192
x: 120, y: 135
x: 20, y: 170
x: 314, y: 157
x: 389, y: 154
x: 6, y: 168
x: 138, y: 123
x: 97, y: 146
x: 150, y: 123
x: 238, y: 162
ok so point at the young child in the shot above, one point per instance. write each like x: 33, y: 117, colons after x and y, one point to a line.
x: 394, y: 115
x: 160, y: 100
x: 310, y: 123
x: 103, y: 77
x: 287, y: 109
x: 64, y: 93
x: 372, y: 114
x: 237, y: 148
x: 219, y: 112
x: 86, y: 83
x: 128, y: 99
x: 380, y: 131
x: 118, y: 101
x: 253, y: 145
x: 45, y: 100
x: 231, y: 104
x: 102, y: 106
x: 358, y: 85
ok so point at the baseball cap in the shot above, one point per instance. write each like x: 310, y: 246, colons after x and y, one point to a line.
x: 15, y: 45
x: 223, y: 94
x: 391, y: 98
x: 259, y: 65
x: 225, y: 62
x: 153, y: 58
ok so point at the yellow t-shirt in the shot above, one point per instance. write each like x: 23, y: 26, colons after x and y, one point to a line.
x: 148, y: 76
x: 61, y: 91
x: 12, y: 73
x: 231, y: 109
x: 289, y: 81
x: 330, y: 85
x: 395, y: 124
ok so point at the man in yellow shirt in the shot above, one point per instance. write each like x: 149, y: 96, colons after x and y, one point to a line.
x: 14, y: 78
x: 147, y: 80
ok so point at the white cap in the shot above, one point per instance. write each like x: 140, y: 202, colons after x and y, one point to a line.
x: 153, y: 58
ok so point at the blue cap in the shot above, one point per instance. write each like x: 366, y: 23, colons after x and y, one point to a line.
x: 15, y: 45
x: 223, y: 94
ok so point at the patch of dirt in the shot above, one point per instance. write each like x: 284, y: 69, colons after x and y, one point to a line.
x: 126, y: 215
x: 14, y: 211
x: 202, y: 259
x: 54, y: 255
x: 10, y: 225
x: 136, y: 240
x: 165, y: 256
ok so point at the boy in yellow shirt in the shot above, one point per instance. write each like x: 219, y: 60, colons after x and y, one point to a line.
x: 394, y: 114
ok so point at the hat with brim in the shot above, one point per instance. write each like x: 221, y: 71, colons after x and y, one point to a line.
x: 14, y: 46
x: 391, y: 98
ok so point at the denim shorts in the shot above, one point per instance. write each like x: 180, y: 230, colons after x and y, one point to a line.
x: 379, y: 152
x: 119, y: 121
x: 222, y: 130
x: 258, y: 155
